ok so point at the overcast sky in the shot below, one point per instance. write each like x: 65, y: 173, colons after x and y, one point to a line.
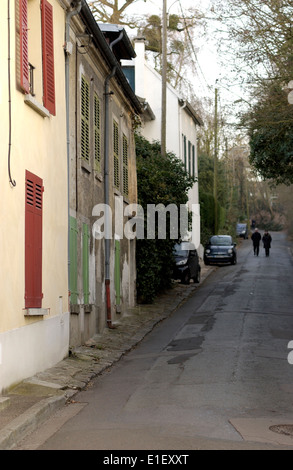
x: 208, y: 69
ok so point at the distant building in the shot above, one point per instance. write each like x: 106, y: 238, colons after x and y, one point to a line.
x: 182, y: 122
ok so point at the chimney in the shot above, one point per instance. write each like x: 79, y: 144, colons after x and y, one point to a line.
x: 139, y: 47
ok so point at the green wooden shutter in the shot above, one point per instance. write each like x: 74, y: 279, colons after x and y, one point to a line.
x: 85, y: 263
x: 117, y: 271
x: 193, y: 160
x: 125, y: 166
x: 97, y: 129
x: 184, y: 151
x: 189, y: 157
x: 73, y: 260
x: 116, y: 155
x: 85, y: 120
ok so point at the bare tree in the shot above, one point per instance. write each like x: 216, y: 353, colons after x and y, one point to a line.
x: 181, y: 52
x: 259, y: 33
x: 108, y: 11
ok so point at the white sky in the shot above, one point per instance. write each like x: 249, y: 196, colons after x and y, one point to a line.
x: 209, y: 70
x: 210, y: 73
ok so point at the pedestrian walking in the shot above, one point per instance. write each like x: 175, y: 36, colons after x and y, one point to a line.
x: 267, y: 240
x: 256, y: 239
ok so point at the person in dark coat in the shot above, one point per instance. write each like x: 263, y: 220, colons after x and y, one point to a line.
x: 267, y: 240
x: 256, y: 238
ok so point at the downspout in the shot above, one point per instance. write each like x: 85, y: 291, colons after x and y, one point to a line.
x: 11, y: 180
x: 69, y: 15
x: 106, y: 188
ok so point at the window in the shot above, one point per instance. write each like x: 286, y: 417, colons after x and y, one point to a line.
x: 116, y: 155
x: 97, y: 130
x: 85, y: 120
x: 37, y: 66
x: 125, y: 166
x: 33, y: 240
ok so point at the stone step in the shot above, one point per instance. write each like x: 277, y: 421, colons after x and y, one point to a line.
x: 4, y: 402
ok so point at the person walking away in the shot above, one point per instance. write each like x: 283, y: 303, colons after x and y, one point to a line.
x: 267, y: 240
x: 256, y: 238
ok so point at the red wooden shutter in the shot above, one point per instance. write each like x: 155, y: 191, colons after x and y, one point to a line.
x: 48, y: 57
x: 23, y: 28
x: 33, y: 240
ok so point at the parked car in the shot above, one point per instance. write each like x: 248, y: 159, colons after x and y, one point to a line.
x: 186, y: 262
x: 242, y: 230
x: 220, y: 249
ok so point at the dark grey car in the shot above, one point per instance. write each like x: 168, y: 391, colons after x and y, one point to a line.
x: 186, y: 262
x: 220, y: 249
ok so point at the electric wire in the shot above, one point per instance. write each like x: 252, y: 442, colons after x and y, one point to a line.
x: 193, y: 50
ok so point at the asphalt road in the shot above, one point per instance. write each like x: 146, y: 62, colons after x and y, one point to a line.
x: 215, y: 375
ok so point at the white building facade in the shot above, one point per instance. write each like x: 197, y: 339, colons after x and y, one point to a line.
x: 181, y: 126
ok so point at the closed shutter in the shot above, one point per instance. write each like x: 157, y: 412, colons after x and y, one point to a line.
x: 184, y: 151
x: 97, y: 125
x: 116, y: 155
x: 125, y: 166
x: 193, y: 160
x: 33, y: 240
x: 23, y: 31
x: 85, y: 263
x: 73, y: 261
x: 189, y: 157
x: 85, y: 120
x: 117, y: 272
x: 48, y: 57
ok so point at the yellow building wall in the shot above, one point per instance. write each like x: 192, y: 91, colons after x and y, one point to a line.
x: 38, y: 144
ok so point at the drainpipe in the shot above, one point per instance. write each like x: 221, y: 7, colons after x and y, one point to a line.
x: 106, y: 188
x: 70, y: 13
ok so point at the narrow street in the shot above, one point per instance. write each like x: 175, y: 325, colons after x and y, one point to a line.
x: 215, y: 375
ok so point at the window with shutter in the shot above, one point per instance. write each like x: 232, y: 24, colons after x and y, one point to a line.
x: 97, y: 128
x: 85, y: 120
x: 48, y: 57
x: 125, y: 166
x: 116, y: 155
x: 23, y: 32
x: 33, y: 240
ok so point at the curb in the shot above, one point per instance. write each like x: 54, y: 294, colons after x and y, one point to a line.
x: 28, y: 421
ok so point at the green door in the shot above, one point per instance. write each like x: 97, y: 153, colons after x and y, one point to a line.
x: 73, y: 261
x: 117, y: 271
x: 85, y: 263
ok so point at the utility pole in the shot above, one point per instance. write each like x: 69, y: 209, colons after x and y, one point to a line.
x: 216, y: 160
x: 164, y: 80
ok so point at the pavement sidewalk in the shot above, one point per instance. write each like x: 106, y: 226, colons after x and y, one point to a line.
x: 35, y: 399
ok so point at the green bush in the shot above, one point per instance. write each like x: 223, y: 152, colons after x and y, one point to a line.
x: 160, y: 181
